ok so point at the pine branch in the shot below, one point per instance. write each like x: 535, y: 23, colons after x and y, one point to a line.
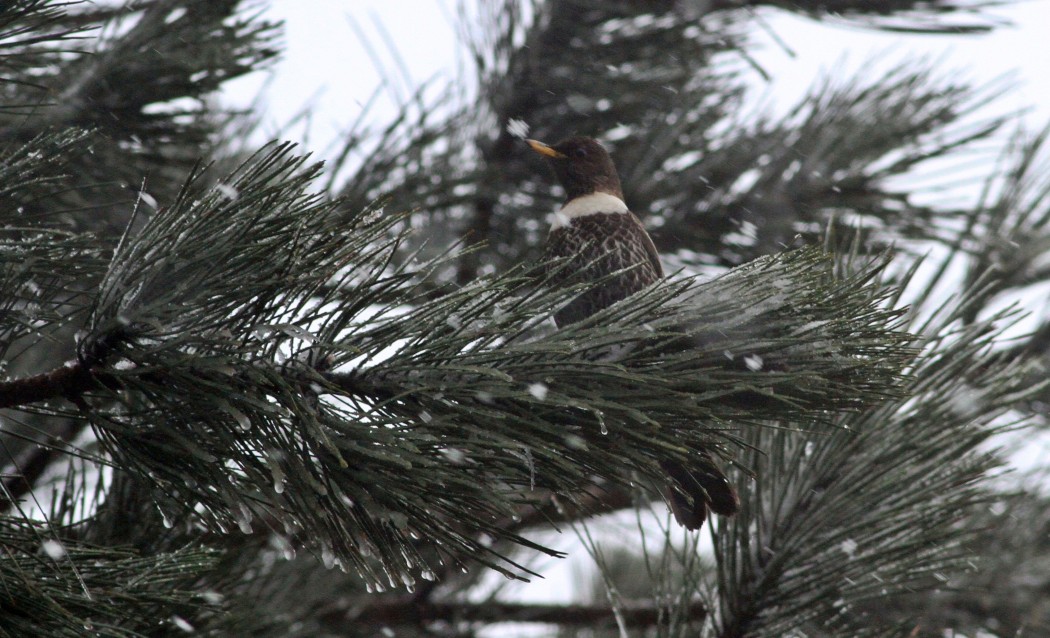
x: 1003, y: 592
x: 1009, y: 230
x: 401, y: 612
x: 214, y: 354
x: 68, y: 381
x: 592, y: 501
x: 849, y: 144
x: 58, y: 587
x: 20, y: 476
x: 126, y: 94
x: 147, y: 65
x: 840, y: 519
x: 36, y: 243
x: 26, y: 26
x: 943, y: 17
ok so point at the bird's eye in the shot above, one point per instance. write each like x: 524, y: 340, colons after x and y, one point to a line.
x: 580, y: 152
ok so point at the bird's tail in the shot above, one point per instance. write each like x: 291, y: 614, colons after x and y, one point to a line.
x: 696, y: 490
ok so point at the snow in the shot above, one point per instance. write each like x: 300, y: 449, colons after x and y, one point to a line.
x: 182, y: 624
x: 753, y: 362
x: 455, y: 455
x: 227, y: 191
x: 849, y: 547
x: 517, y: 128
x: 538, y: 390
x: 212, y: 597
x: 54, y: 549
x: 148, y: 200
x: 576, y: 442
x: 124, y: 364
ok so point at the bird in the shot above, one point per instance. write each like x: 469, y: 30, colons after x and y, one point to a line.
x: 595, y: 236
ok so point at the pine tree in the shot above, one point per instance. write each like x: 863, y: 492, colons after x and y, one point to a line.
x: 228, y: 372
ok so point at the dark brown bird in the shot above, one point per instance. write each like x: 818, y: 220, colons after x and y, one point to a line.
x: 597, y: 235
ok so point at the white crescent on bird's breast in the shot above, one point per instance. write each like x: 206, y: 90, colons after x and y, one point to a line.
x: 590, y: 204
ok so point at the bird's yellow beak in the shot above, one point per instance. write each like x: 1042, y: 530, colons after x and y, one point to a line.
x: 544, y: 150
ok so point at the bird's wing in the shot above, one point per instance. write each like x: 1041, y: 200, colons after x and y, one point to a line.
x: 647, y: 242
x: 562, y: 244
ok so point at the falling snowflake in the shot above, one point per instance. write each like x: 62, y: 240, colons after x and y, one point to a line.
x: 182, y: 624
x: 227, y: 191
x: 753, y: 362
x: 538, y: 390
x: 455, y: 455
x: 576, y: 442
x: 373, y: 216
x: 517, y: 128
x: 148, y: 200
x: 54, y: 549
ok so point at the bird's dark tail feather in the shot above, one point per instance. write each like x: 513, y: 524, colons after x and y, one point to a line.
x: 696, y: 490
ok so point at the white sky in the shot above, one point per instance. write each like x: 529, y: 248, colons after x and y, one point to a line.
x: 325, y: 62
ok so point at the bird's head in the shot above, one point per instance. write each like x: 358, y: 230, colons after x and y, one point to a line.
x: 582, y: 165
